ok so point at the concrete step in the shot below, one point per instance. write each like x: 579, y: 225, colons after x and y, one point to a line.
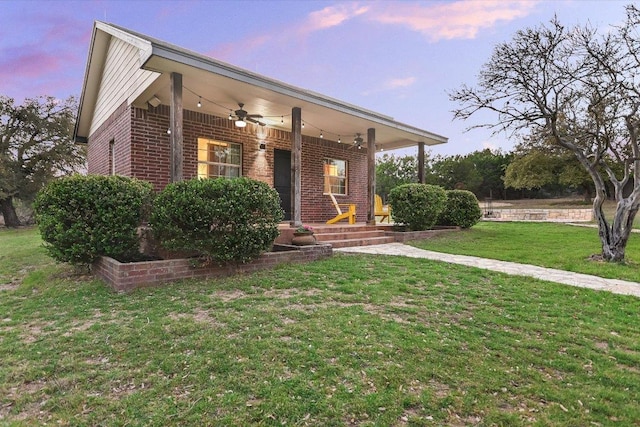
x: 332, y: 236
x: 365, y: 241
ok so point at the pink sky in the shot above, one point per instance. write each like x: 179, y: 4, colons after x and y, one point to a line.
x: 398, y: 58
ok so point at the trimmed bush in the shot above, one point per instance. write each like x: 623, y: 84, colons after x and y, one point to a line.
x: 461, y: 209
x: 218, y: 219
x: 417, y: 206
x: 83, y: 217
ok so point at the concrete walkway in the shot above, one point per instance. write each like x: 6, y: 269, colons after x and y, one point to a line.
x: 550, y: 274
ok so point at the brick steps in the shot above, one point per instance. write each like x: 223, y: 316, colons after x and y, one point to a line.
x: 354, y: 235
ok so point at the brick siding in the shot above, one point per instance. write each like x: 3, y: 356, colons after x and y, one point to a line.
x: 142, y: 150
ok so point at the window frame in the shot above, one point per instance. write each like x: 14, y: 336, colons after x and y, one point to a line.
x: 209, y: 142
x: 325, y: 162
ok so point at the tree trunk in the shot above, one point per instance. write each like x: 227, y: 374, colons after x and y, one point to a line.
x: 614, y: 237
x: 9, y: 213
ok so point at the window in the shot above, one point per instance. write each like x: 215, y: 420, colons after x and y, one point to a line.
x: 335, y: 176
x: 112, y: 157
x: 219, y: 159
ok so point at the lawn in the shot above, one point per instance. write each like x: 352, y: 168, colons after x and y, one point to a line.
x: 553, y: 245
x: 353, y: 340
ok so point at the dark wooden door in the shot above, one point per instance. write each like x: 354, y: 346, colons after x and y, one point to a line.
x: 282, y: 179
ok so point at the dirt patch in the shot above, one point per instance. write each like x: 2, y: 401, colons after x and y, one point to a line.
x: 33, y: 331
x: 9, y: 286
x: 227, y: 296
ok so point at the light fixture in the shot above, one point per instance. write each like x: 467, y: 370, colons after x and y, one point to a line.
x: 261, y: 131
x: 302, y: 125
x: 282, y: 120
x: 262, y: 146
x: 169, y: 131
x: 200, y: 102
x: 321, y: 135
x: 358, y: 141
x: 240, y: 123
x: 154, y: 101
x: 230, y: 116
x: 339, y: 140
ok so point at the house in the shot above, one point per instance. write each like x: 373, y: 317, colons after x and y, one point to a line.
x: 157, y: 112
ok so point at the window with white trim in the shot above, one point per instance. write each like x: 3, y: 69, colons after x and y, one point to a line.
x: 335, y: 176
x: 219, y: 159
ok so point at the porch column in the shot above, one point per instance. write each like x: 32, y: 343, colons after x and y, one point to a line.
x: 421, y: 177
x: 175, y: 125
x: 371, y: 176
x: 296, y: 164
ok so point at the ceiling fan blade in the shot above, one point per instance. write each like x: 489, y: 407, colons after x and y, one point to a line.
x: 253, y: 120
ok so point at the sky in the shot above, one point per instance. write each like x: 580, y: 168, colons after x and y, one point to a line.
x: 398, y: 58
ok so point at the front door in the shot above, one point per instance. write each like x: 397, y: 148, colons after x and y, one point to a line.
x: 282, y: 179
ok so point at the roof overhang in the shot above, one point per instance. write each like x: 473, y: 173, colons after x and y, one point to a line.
x: 221, y: 86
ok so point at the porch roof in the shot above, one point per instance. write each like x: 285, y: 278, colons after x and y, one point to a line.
x: 221, y: 86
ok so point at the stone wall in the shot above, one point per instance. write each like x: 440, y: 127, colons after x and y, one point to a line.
x: 550, y: 215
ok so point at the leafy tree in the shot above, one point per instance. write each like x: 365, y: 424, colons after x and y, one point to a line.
x: 392, y: 171
x: 537, y: 168
x: 35, y: 146
x: 580, y: 90
x: 490, y: 165
x: 455, y: 172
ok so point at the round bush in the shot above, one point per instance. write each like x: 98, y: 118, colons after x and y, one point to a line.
x: 219, y: 219
x: 83, y: 217
x: 417, y: 206
x: 461, y: 209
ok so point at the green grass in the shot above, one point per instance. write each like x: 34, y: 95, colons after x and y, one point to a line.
x: 560, y: 246
x: 353, y: 340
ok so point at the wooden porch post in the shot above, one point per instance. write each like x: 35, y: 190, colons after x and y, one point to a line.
x: 175, y: 125
x: 371, y: 176
x: 421, y: 177
x: 296, y: 164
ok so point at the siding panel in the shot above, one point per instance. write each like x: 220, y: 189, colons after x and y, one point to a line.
x: 122, y: 80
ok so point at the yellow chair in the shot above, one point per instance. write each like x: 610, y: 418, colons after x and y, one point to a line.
x: 382, y: 210
x: 350, y: 214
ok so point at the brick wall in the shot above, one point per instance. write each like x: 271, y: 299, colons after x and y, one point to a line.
x: 125, y: 277
x: 116, y: 128
x: 143, y: 151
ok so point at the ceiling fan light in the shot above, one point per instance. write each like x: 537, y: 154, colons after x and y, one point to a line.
x: 241, y: 123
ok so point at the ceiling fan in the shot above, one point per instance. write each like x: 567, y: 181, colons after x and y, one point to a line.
x: 358, y: 141
x: 242, y: 117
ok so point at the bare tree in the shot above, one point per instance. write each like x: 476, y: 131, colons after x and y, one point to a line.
x: 580, y: 89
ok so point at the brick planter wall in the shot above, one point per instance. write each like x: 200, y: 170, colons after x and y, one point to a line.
x: 125, y: 277
x: 550, y: 215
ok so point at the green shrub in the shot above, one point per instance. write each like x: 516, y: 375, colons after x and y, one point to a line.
x: 83, y: 217
x: 219, y: 219
x: 461, y: 209
x: 417, y: 206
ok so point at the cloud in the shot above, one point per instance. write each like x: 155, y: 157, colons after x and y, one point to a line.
x: 331, y: 16
x: 392, y: 84
x: 404, y: 82
x: 46, y: 60
x: 455, y: 20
